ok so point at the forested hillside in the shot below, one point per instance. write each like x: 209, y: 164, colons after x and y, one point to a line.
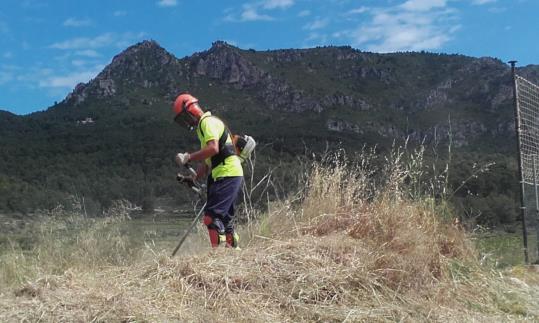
x: 114, y: 138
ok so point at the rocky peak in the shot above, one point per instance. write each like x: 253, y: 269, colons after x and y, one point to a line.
x: 231, y: 66
x: 145, y: 65
x: 221, y: 44
x: 226, y: 63
x: 145, y: 44
x: 144, y: 57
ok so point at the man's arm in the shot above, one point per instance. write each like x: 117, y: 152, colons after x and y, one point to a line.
x: 211, y: 149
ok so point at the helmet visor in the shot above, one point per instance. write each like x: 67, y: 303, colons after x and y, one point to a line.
x: 185, y: 120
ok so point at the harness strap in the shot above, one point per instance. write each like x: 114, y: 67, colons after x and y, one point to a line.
x: 225, y: 150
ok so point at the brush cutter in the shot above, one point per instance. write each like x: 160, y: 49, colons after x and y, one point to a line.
x: 199, y: 189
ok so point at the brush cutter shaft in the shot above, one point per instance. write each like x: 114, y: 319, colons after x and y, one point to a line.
x: 191, y: 226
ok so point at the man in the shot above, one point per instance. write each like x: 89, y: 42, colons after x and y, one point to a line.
x: 223, y: 167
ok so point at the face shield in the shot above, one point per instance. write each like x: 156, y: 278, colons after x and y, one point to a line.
x: 186, y: 120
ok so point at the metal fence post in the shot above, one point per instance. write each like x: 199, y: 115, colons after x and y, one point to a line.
x: 536, y: 204
x: 517, y: 128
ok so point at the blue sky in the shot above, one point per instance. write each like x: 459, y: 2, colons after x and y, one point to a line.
x: 47, y: 47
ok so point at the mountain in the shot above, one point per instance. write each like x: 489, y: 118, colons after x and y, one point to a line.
x: 5, y: 114
x: 7, y: 118
x: 113, y: 137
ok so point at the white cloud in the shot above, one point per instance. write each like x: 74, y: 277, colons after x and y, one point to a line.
x: 482, y: 2
x: 103, y: 40
x: 7, y: 55
x: 340, y: 34
x: 357, y: 11
x: 78, y: 62
x: 317, y: 24
x: 8, y: 73
x: 167, y: 3
x: 85, y: 42
x: 322, y: 38
x: 70, y: 80
x: 31, y: 75
x: 88, y: 53
x: 74, y: 22
x: 424, y: 5
x: 304, y: 13
x: 49, y: 80
x: 119, y: 13
x: 412, y: 26
x: 254, y: 11
x: 280, y: 4
x: 67, y: 81
x: 251, y: 14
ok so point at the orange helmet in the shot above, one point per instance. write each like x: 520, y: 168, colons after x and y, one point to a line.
x: 186, y: 110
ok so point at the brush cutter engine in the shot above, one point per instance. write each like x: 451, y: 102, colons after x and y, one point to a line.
x: 245, y: 145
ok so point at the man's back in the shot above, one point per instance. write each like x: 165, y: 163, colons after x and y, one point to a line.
x: 212, y: 128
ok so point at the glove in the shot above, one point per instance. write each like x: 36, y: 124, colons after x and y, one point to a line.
x: 184, y: 179
x: 182, y: 158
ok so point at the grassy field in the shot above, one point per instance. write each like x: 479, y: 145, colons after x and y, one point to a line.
x: 338, y: 251
x: 500, y: 249
x: 159, y: 230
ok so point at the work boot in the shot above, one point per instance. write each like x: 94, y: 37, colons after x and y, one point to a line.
x: 215, y: 238
x: 232, y: 240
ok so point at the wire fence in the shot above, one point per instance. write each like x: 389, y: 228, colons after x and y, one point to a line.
x: 527, y: 108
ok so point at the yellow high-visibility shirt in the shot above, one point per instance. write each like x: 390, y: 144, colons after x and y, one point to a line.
x: 212, y: 129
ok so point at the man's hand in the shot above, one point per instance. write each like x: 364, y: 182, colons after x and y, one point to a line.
x: 184, y: 178
x: 182, y: 158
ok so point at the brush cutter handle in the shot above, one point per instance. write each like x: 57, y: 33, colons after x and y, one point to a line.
x: 194, y: 185
x: 191, y: 170
x: 195, y: 188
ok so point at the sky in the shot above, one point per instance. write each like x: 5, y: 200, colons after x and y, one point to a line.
x: 48, y: 47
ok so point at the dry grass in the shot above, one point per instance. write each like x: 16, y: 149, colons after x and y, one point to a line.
x: 64, y: 240
x: 337, y: 252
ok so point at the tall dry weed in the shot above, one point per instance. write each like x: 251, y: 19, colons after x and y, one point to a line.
x: 414, y: 242
x: 65, y: 240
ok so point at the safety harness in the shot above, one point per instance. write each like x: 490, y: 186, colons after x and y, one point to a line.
x: 225, y: 149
